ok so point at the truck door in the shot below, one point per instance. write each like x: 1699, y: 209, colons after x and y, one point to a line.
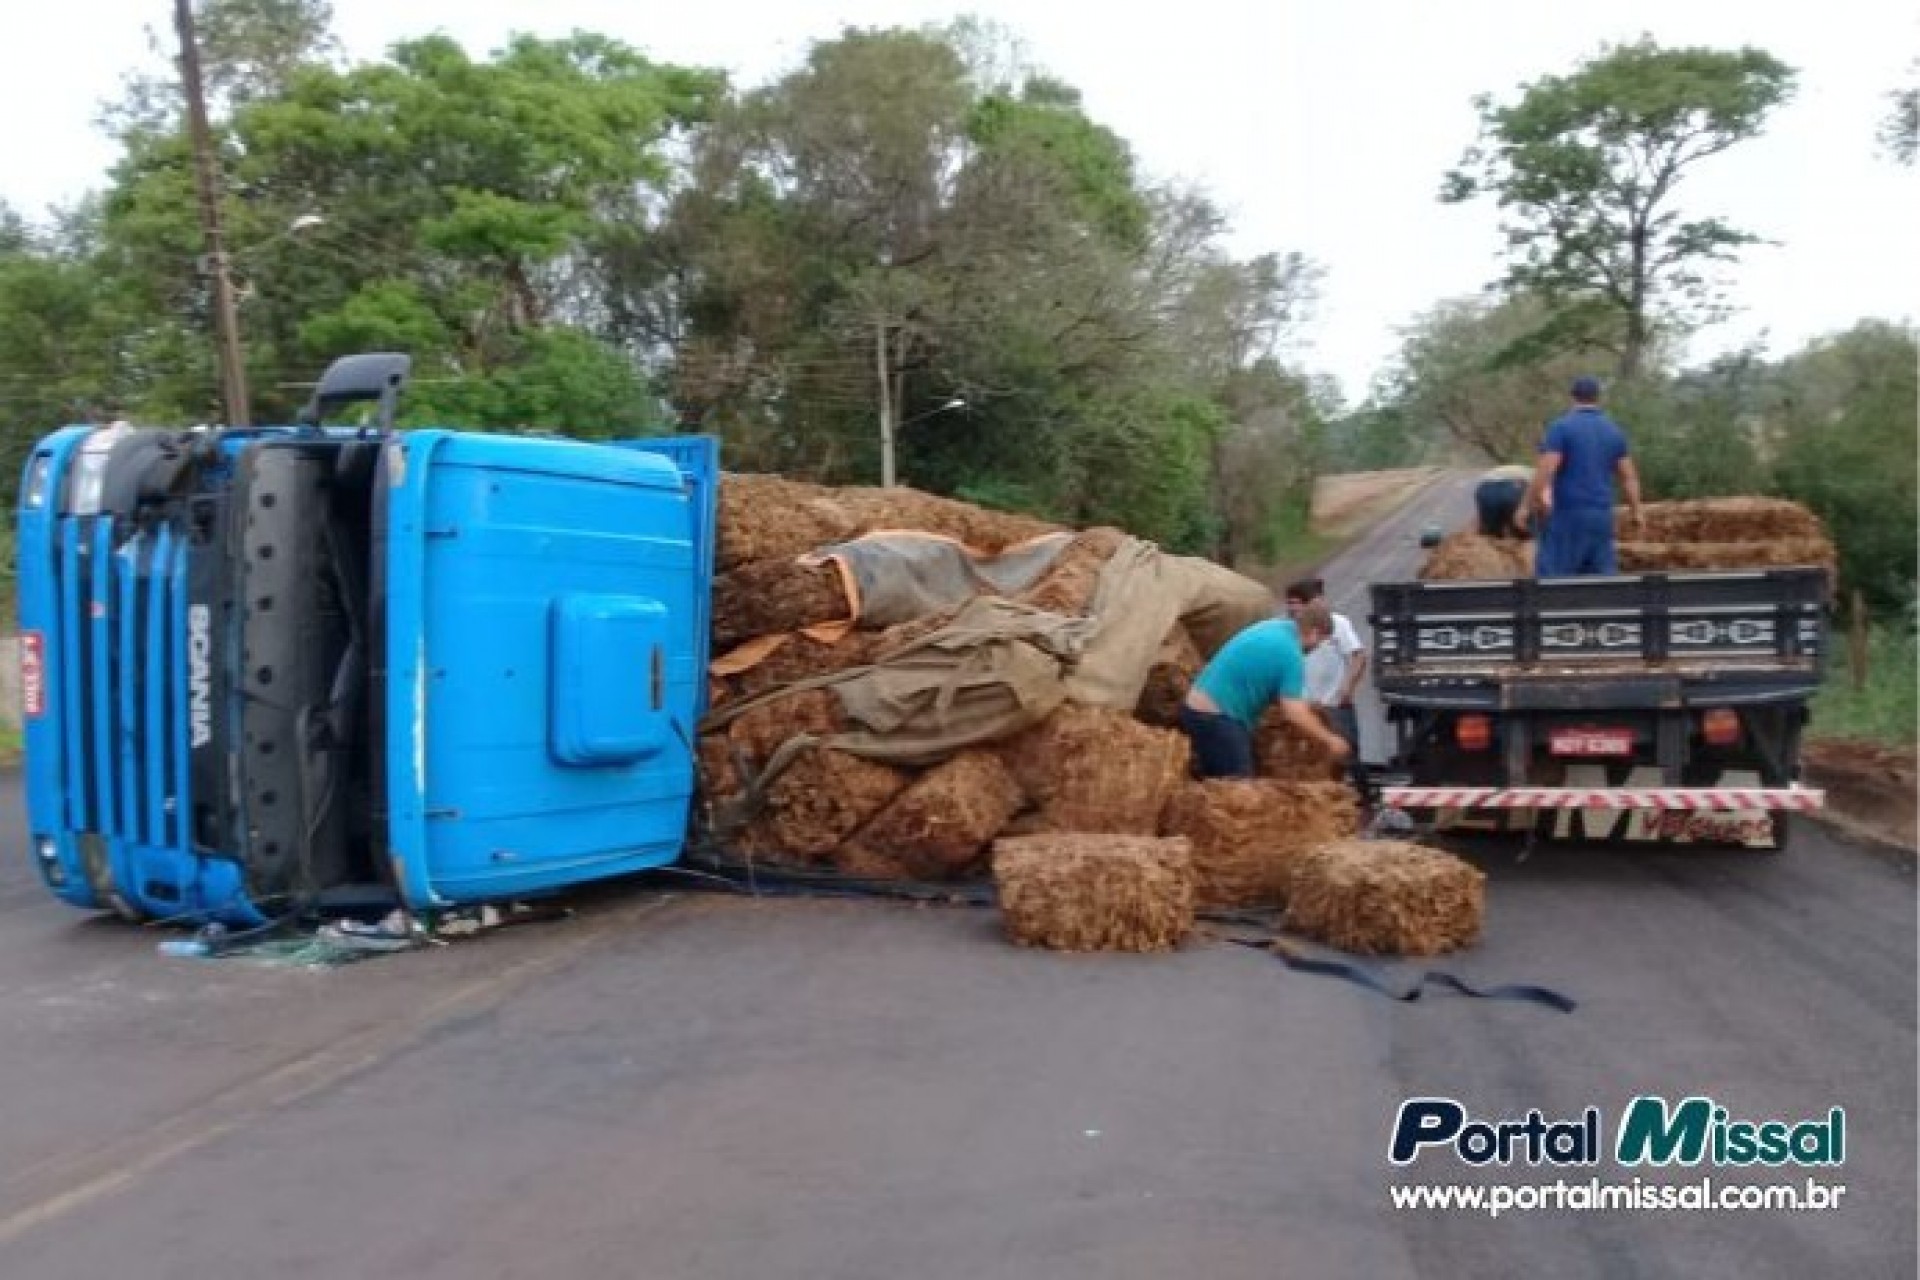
x: 544, y: 644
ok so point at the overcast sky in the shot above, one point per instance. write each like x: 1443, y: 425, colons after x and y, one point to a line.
x: 1322, y: 126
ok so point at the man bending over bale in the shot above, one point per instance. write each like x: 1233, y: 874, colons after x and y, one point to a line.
x: 1260, y: 665
x: 1499, y: 499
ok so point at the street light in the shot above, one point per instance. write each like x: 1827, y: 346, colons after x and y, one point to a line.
x: 955, y: 403
x: 888, y: 430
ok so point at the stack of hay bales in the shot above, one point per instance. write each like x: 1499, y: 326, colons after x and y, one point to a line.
x: 1701, y: 533
x: 781, y: 619
x: 1724, y: 533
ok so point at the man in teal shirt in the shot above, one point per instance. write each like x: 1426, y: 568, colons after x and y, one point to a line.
x: 1261, y: 665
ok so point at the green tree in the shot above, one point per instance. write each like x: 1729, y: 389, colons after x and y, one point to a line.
x: 1846, y: 448
x: 446, y: 202
x: 1701, y: 433
x: 1476, y: 370
x: 1587, y: 166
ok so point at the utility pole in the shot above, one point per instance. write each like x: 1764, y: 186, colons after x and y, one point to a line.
x: 233, y: 371
x: 881, y: 367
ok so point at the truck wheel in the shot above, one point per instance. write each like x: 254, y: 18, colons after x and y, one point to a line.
x: 1783, y: 829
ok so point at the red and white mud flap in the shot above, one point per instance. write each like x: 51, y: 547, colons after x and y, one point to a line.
x: 1737, y: 809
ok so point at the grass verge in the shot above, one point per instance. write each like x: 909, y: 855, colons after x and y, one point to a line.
x: 1883, y: 707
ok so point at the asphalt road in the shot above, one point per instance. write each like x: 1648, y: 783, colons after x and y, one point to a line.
x: 702, y: 1086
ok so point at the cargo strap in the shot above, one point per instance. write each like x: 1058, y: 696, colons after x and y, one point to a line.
x: 1298, y: 960
x: 794, y: 882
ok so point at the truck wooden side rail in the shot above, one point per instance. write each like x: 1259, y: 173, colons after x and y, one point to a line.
x: 1654, y: 706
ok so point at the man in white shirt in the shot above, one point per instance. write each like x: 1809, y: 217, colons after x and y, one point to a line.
x: 1334, y: 671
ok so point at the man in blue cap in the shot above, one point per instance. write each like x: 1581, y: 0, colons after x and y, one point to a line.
x: 1583, y: 453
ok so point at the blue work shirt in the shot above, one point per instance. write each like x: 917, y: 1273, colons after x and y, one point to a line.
x: 1590, y: 445
x: 1260, y: 664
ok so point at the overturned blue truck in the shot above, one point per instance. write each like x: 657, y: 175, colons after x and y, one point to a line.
x: 270, y: 670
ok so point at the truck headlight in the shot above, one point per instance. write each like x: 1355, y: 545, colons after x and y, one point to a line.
x: 34, y: 496
x: 50, y: 865
x: 89, y: 481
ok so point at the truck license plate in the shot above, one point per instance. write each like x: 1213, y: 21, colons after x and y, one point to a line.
x: 1592, y: 742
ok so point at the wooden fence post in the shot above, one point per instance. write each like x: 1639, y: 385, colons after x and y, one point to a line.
x: 1858, y: 639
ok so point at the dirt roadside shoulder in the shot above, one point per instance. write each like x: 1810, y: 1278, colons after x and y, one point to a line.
x: 1871, y: 789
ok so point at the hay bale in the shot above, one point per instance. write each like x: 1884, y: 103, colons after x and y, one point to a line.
x: 874, y: 509
x: 866, y: 864
x: 1248, y: 834
x: 1094, y: 892
x: 938, y: 826
x: 814, y: 712
x: 823, y: 797
x: 772, y: 597
x: 1096, y: 770
x: 1068, y: 585
x: 1168, y: 680
x: 1283, y: 753
x: 1468, y: 556
x: 1386, y: 897
x: 764, y: 517
x: 1775, y: 553
x: 1722, y: 520
x: 717, y: 776
x: 799, y: 657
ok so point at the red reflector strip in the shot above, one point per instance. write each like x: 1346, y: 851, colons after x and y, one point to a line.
x: 1798, y: 799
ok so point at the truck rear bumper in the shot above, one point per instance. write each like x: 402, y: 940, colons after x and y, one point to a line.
x: 1671, y: 799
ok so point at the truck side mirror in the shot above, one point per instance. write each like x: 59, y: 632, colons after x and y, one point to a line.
x: 373, y: 375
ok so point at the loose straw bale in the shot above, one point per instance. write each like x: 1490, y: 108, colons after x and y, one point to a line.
x: 1093, y: 769
x: 824, y: 796
x: 1282, y: 752
x: 1081, y: 892
x: 939, y: 825
x: 772, y: 597
x: 814, y: 712
x: 1249, y: 834
x: 1169, y: 679
x: 764, y: 517
x: 1749, y: 519
x: 1468, y: 556
x: 1775, y: 553
x: 1068, y: 585
x: 1386, y: 897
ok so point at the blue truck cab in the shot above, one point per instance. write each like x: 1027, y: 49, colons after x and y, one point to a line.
x: 273, y: 669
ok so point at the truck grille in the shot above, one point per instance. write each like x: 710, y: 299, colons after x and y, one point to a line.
x: 123, y: 681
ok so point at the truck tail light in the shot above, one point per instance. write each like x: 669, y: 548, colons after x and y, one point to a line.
x: 1473, y: 733
x: 1720, y: 727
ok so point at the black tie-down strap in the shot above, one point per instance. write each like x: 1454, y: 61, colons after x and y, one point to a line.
x: 1300, y: 962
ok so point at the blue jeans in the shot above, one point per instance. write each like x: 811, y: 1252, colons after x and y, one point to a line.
x: 1575, y: 542
x: 1497, y: 500
x: 1222, y: 746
